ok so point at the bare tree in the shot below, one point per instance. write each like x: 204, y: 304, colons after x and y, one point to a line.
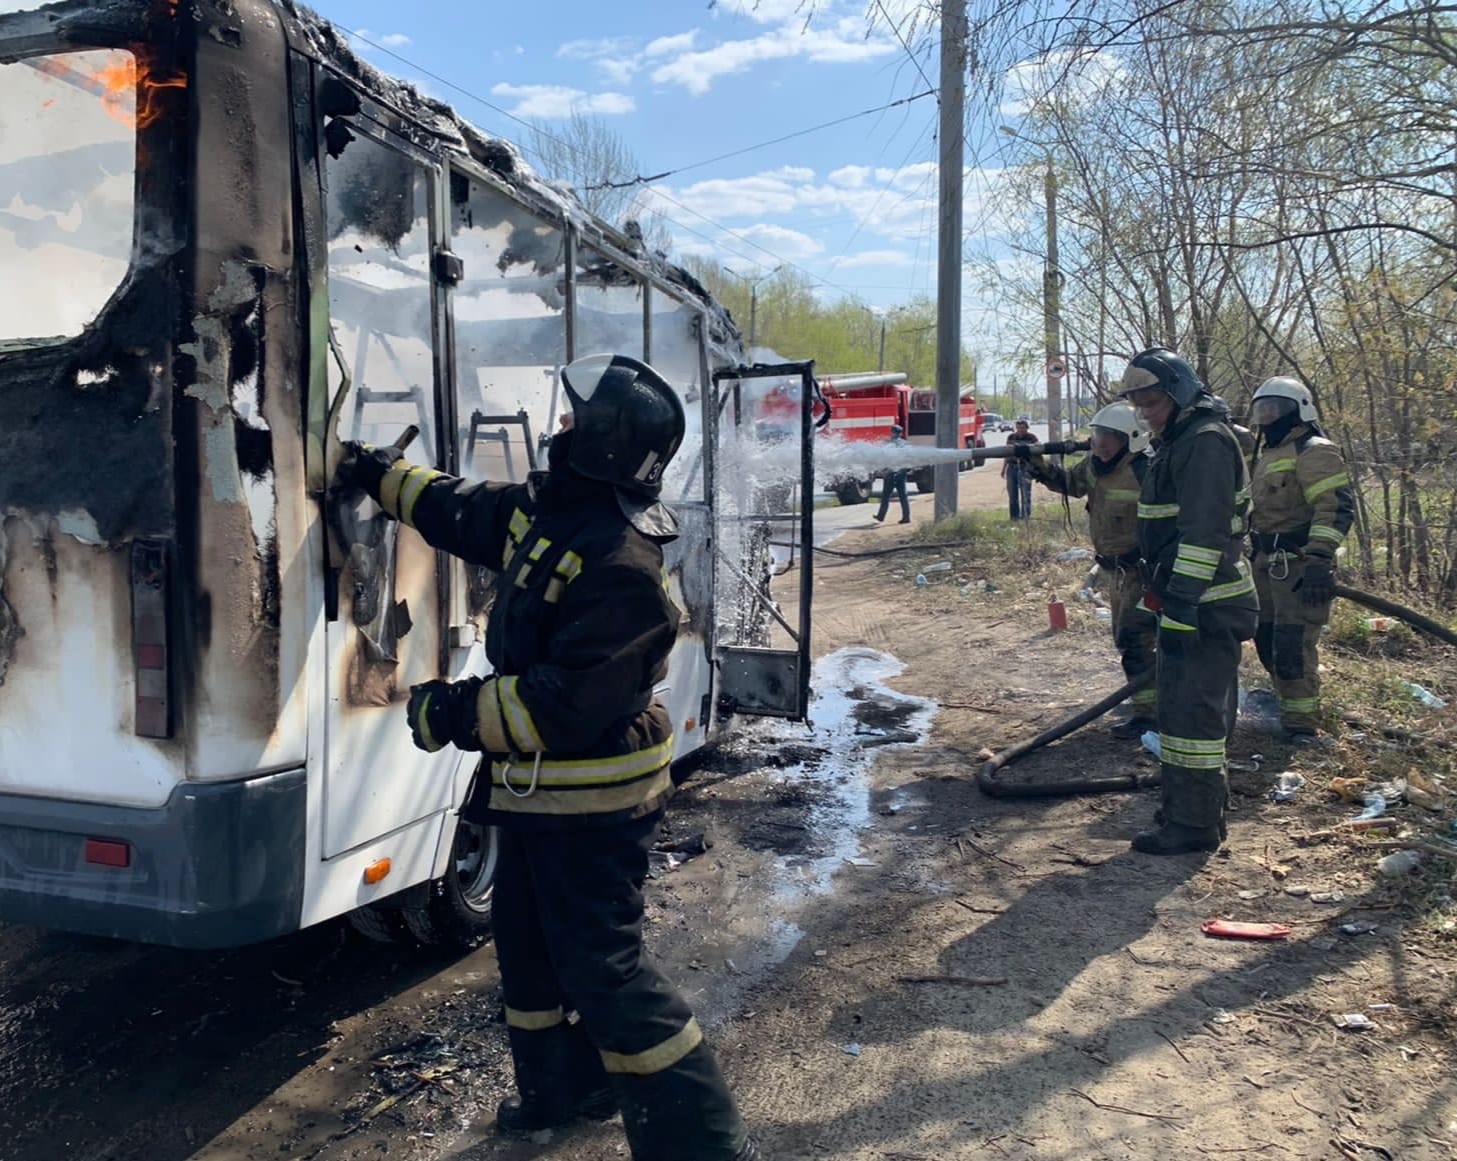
x: 585, y: 153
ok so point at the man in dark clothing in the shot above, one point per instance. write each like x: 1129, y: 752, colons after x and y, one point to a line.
x: 575, y: 758
x: 1018, y: 475
x: 894, y: 481
x: 1110, y: 479
x: 1192, y: 515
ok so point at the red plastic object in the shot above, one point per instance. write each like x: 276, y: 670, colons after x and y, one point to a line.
x: 1057, y: 615
x: 1230, y: 929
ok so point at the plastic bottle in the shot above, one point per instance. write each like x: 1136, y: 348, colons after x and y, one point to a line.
x: 1150, y: 742
x: 1399, y: 862
x: 921, y: 581
x: 1423, y: 695
x: 939, y: 566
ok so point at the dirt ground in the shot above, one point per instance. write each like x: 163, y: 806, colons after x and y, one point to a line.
x: 893, y: 966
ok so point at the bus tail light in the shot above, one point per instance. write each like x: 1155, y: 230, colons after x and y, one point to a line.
x: 153, y: 718
x: 107, y: 852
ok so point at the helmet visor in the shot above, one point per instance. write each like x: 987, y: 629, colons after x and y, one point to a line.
x: 1270, y: 409
x: 591, y: 372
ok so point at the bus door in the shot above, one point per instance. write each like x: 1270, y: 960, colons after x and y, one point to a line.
x: 764, y: 508
x: 388, y: 632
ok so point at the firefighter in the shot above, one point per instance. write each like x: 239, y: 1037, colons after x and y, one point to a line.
x: 1110, y: 478
x: 1191, y: 523
x: 894, y: 481
x: 1301, y: 510
x: 575, y: 757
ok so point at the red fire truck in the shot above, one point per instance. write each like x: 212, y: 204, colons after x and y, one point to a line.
x: 865, y: 404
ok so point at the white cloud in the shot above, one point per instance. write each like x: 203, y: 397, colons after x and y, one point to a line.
x: 767, y: 11
x: 782, y: 241
x: 598, y: 47
x: 696, y: 71
x: 553, y: 101
x: 616, y: 58
x: 1076, y: 77
x: 669, y: 45
x: 873, y: 258
x: 395, y: 40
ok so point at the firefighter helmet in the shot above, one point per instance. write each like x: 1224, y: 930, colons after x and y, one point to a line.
x: 1160, y: 367
x: 1283, y: 388
x: 628, y: 422
x: 1121, y: 417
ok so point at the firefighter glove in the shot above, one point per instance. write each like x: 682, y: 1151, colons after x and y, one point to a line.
x: 1178, y: 626
x: 443, y: 713
x: 1318, y: 585
x: 364, y: 466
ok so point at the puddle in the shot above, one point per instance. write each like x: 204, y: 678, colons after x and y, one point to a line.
x: 817, y: 799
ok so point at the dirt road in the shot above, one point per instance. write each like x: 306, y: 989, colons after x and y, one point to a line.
x: 892, y: 965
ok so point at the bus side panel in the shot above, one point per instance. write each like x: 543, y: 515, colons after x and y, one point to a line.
x: 67, y: 728
x: 336, y: 886
x: 242, y: 505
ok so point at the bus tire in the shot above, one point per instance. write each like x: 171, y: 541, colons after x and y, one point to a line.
x: 380, y: 925
x: 458, y: 913
x: 853, y: 491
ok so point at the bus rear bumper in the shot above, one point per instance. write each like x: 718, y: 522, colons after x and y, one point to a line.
x: 217, y: 865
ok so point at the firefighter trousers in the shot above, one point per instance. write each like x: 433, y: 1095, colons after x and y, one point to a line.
x: 1198, y: 697
x: 1288, y: 638
x: 1135, y: 634
x: 568, y: 910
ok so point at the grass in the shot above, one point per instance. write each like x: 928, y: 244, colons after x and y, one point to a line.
x: 1019, y: 544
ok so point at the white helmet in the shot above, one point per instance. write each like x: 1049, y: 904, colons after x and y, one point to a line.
x: 1122, y: 417
x: 1283, y: 388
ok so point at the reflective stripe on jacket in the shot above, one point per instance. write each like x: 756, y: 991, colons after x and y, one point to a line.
x: 1112, y: 498
x: 1301, y: 487
x: 578, y: 635
x: 1193, y: 509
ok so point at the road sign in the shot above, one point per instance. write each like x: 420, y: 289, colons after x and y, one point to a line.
x: 1056, y: 368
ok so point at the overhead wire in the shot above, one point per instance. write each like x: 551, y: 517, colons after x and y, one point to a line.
x: 474, y: 96
x: 649, y: 180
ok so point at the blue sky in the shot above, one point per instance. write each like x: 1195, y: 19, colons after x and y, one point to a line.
x: 852, y: 206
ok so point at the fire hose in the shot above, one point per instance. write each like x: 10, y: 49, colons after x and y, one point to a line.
x: 1057, y: 447
x: 989, y: 784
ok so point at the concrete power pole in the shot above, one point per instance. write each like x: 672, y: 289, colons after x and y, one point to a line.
x: 948, y: 270
x: 1052, y: 310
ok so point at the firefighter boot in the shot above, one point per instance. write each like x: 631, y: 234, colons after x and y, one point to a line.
x: 683, y: 1113
x: 559, y: 1079
x: 1134, y: 727
x: 1192, y: 815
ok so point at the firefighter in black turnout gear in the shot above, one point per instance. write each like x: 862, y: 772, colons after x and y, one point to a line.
x: 575, y: 758
x: 1192, y: 514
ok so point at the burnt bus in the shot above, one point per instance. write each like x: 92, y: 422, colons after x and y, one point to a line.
x: 226, y: 243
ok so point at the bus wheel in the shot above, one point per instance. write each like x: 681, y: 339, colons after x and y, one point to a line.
x: 459, y: 911
x: 925, y: 481
x: 853, y: 491
x: 382, y: 925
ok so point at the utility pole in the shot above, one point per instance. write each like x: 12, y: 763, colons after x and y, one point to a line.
x: 882, y: 342
x: 948, y: 268
x: 1051, y: 308
x: 754, y: 297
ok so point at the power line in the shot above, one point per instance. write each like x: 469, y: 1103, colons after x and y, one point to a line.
x: 640, y: 180
x: 904, y: 45
x: 570, y: 148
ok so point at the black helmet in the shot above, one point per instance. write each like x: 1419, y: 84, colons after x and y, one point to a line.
x: 1160, y: 367
x: 627, y: 420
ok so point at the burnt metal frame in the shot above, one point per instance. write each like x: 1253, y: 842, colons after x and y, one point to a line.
x: 809, y: 394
